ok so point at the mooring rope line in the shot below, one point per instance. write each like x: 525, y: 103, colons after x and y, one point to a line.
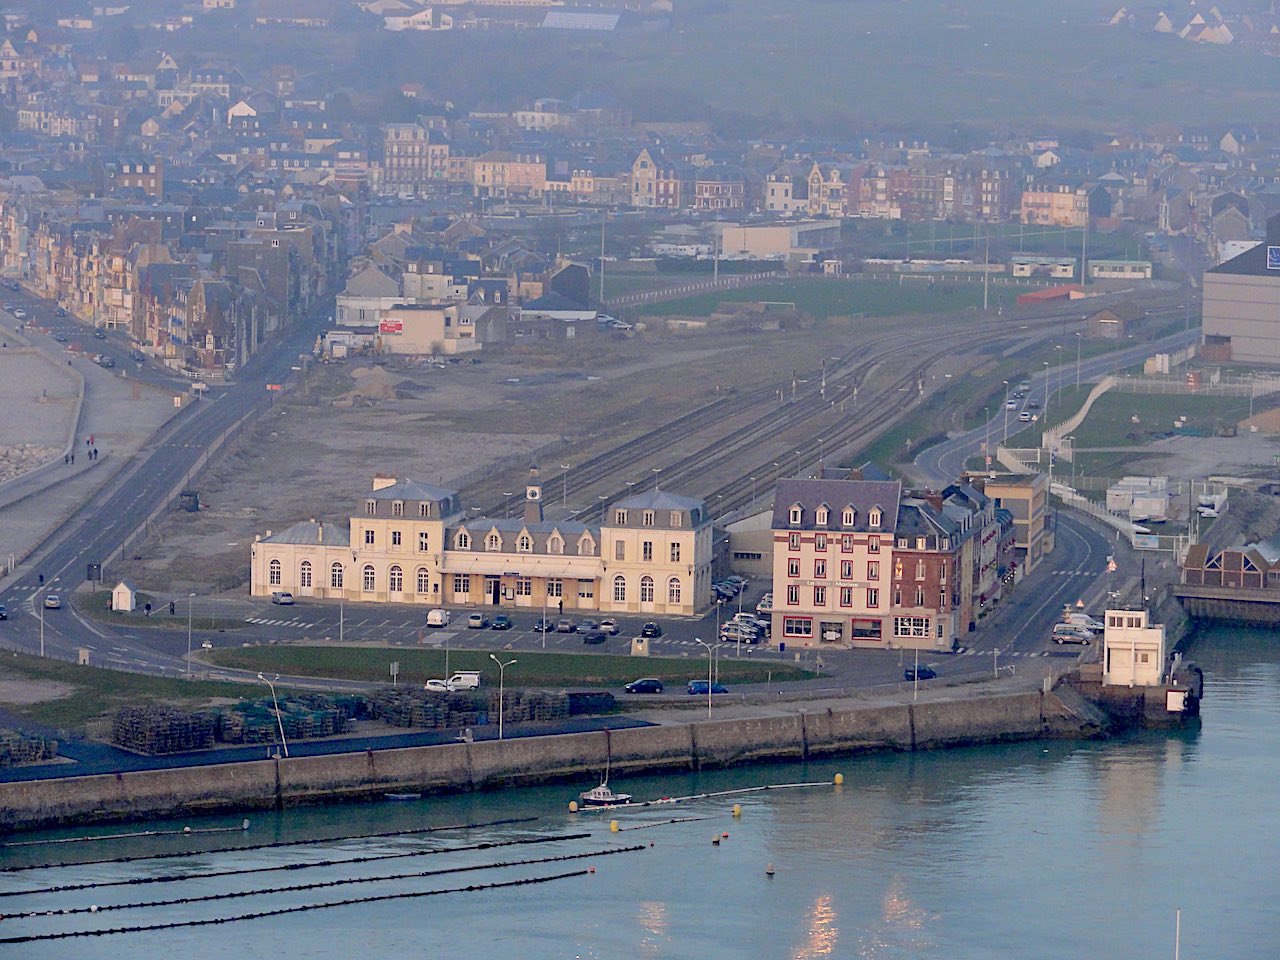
x: 184, y: 832
x: 283, y: 911
x: 663, y: 801
x: 275, y: 844
x: 322, y: 884
x: 306, y: 865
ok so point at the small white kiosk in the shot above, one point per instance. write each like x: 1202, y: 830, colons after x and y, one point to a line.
x: 124, y: 597
x: 1133, y: 651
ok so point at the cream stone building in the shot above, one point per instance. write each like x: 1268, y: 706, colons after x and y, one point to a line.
x: 409, y: 542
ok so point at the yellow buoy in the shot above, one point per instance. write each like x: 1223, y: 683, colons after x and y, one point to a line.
x: 839, y: 779
x: 573, y: 806
x: 613, y: 826
x: 737, y: 809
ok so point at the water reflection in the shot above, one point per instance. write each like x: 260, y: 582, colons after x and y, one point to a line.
x: 652, y: 917
x: 823, y: 932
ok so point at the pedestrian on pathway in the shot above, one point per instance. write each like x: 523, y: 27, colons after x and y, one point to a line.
x: 95, y: 453
x: 73, y: 458
x: 171, y: 608
x: 65, y: 459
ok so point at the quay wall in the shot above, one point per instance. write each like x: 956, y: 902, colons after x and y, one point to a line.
x: 494, y: 764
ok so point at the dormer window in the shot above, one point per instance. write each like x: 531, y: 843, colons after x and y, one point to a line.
x: 620, y: 518
x: 922, y: 543
x: 647, y: 519
x: 463, y: 540
x: 795, y: 515
x: 676, y: 519
x: 493, y: 542
x: 371, y: 507
x: 525, y: 544
x: 873, y: 518
x: 424, y: 509
x: 586, y: 546
x: 849, y: 517
x: 555, y: 545
x: 820, y: 516
x: 397, y: 508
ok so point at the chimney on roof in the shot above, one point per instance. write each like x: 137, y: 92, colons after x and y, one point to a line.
x: 382, y: 480
x: 320, y: 532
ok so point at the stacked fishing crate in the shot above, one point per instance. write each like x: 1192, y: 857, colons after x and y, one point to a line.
x: 156, y: 730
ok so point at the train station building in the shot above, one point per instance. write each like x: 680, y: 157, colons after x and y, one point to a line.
x: 410, y: 542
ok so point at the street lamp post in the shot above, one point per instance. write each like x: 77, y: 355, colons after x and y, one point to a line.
x: 708, y: 646
x: 753, y: 494
x: 1006, y: 412
x: 986, y: 443
x: 1046, y: 390
x: 564, y: 501
x: 502, y: 673
x: 276, y: 703
x: 1079, y: 340
x: 190, y: 599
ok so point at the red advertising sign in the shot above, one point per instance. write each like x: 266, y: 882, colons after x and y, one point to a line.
x: 273, y: 386
x: 391, y: 326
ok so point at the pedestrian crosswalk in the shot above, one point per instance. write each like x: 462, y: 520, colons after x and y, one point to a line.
x: 279, y: 623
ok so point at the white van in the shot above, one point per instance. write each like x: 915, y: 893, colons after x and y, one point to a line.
x: 439, y: 617
x: 464, y: 680
x: 1086, y: 621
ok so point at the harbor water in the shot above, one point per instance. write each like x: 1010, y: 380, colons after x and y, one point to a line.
x: 1042, y: 850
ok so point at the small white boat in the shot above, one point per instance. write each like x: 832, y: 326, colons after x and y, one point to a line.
x: 602, y: 796
x: 402, y: 797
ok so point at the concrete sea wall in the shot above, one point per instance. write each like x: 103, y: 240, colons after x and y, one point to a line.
x: 528, y: 760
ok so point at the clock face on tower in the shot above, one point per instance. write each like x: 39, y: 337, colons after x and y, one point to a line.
x: 533, y: 493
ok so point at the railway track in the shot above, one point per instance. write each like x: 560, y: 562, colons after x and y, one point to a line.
x: 816, y: 392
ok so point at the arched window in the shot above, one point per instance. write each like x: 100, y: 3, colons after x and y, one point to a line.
x: 273, y: 573
x: 395, y: 579
x: 673, y: 590
x: 304, y: 574
x: 494, y: 542
x: 555, y: 545
x: 646, y: 589
x: 368, y: 576
x: 849, y: 517
x: 820, y: 516
x: 464, y: 540
x: 525, y: 544
x: 619, y: 589
x: 873, y: 518
x: 424, y: 580
x: 335, y: 576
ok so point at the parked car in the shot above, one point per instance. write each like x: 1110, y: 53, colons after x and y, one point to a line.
x: 61, y: 311
x: 766, y: 604
x: 100, y: 334
x: 919, y: 673
x: 108, y: 363
x: 439, y: 617
x: 1071, y: 633
x: 60, y: 337
x: 564, y: 626
x: 700, y: 687
x: 501, y: 622
x: 588, y: 626
x: 477, y: 621
x: 52, y: 601
x: 644, y: 685
x: 1086, y: 621
x: 464, y: 680
x: 739, y: 632
x: 609, y: 626
x: 19, y: 314
x: 8, y: 306
x: 436, y: 686
x: 594, y: 637
x: 282, y: 598
x: 544, y: 623
x: 651, y: 629
x: 4, y: 614
x: 741, y: 581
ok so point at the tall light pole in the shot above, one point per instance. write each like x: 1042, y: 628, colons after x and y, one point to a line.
x: 190, y: 599
x: 708, y: 646
x: 753, y: 493
x: 1046, y: 390
x: 502, y: 673
x: 276, y: 703
x: 564, y: 500
x: 1006, y: 412
x: 986, y: 443
x: 1079, y: 340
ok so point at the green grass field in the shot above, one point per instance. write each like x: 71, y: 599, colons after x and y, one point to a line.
x: 532, y: 670
x: 94, y: 691
x: 824, y: 298
x: 1110, y: 423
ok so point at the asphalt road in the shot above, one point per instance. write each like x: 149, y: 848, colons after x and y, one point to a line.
x: 97, y: 531
x: 941, y: 464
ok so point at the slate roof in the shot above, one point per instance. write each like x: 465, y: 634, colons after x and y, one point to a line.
x: 412, y: 490
x: 308, y: 532
x: 659, y: 500
x: 372, y: 282
x: 862, y: 495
